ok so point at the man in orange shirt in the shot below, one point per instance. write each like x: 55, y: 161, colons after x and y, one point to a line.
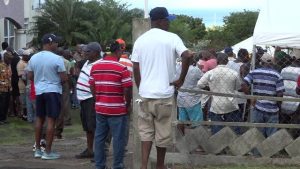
x: 124, y: 60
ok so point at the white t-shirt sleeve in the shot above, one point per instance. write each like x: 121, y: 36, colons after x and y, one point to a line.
x: 135, y: 55
x: 179, y: 45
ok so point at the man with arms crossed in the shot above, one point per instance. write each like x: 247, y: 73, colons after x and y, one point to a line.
x: 154, y: 61
x: 48, y: 72
x: 87, y: 102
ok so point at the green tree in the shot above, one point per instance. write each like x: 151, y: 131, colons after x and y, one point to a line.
x: 190, y: 29
x: 113, y: 21
x: 80, y: 21
x: 62, y: 17
x: 218, y: 38
x: 240, y: 24
x: 237, y: 26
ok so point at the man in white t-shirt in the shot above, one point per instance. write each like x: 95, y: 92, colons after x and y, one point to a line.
x: 154, y: 61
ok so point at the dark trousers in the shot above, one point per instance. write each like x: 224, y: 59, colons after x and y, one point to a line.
x: 4, y: 104
x: 234, y: 116
x: 65, y: 111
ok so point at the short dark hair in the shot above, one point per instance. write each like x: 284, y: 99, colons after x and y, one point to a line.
x: 114, y: 46
x: 242, y: 52
x: 222, y: 58
x: 4, y: 45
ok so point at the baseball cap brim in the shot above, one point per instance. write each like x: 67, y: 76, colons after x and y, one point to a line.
x: 171, y: 17
x: 58, y: 39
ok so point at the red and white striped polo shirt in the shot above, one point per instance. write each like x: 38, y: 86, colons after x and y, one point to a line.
x: 110, y: 78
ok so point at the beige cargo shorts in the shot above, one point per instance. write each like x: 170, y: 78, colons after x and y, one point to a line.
x: 155, y: 120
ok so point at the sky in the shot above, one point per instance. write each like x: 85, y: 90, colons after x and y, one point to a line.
x: 212, y: 11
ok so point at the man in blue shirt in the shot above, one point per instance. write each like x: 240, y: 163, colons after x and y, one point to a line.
x: 266, y: 82
x: 48, y: 72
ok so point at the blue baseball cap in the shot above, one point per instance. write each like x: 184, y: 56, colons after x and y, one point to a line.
x: 49, y: 38
x: 228, y: 49
x: 160, y: 13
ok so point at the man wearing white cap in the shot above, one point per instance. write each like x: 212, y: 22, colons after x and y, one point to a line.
x: 266, y: 81
x: 22, y: 64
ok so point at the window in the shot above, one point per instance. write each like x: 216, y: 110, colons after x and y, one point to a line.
x: 26, y: 23
x: 9, y: 33
x: 37, y: 4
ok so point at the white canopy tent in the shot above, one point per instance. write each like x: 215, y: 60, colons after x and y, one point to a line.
x: 246, y: 44
x: 278, y: 24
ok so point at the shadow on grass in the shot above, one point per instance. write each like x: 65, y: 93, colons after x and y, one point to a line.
x: 18, y: 132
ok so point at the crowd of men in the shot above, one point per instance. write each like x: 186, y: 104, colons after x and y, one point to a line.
x: 226, y: 73
x: 41, y: 87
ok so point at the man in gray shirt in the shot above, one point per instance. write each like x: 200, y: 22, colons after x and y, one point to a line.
x: 189, y: 105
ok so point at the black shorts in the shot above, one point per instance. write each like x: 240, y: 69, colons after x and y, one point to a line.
x: 48, y: 104
x: 15, y: 88
x: 88, y: 114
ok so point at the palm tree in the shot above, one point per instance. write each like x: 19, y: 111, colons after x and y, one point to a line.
x: 113, y: 21
x: 62, y: 17
x: 81, y: 22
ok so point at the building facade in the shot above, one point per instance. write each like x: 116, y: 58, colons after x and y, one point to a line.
x: 16, y: 21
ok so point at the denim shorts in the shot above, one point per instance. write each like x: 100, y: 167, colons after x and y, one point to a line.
x: 194, y: 113
x: 48, y: 104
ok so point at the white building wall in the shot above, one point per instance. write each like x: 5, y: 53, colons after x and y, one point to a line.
x: 1, y: 30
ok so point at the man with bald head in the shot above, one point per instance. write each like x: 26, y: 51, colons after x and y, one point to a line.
x: 222, y: 80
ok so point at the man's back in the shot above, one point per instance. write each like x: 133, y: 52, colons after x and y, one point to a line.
x: 222, y: 80
x: 46, y: 66
x: 156, y: 52
x: 110, y: 78
x: 290, y: 75
x: 266, y: 82
x: 187, y: 99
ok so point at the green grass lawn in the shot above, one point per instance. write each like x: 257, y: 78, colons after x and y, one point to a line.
x: 20, y: 132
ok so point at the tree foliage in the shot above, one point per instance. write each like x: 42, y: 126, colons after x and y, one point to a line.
x: 190, y: 29
x: 241, y: 24
x: 238, y: 26
x: 81, y: 22
x: 218, y: 38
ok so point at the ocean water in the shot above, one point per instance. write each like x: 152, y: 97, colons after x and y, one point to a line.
x: 211, y: 17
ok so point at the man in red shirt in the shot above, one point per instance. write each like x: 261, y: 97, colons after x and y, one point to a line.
x: 111, y: 85
x: 298, y: 86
